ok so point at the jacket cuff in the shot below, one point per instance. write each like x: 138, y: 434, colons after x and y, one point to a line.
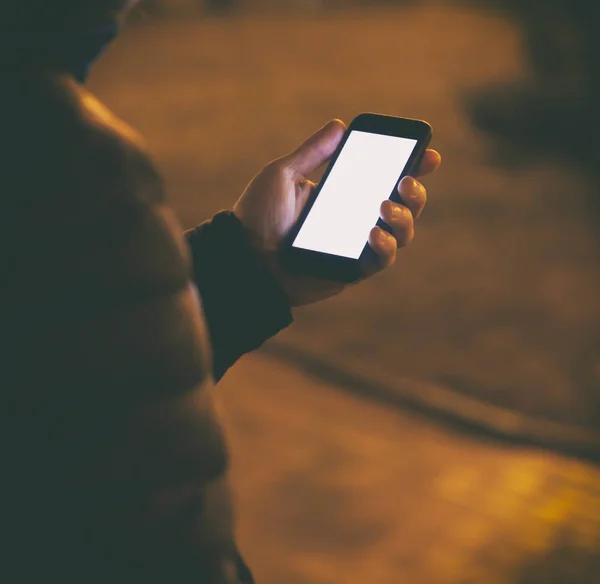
x: 243, y: 304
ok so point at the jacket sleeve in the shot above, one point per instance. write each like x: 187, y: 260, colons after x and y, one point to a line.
x: 243, y: 304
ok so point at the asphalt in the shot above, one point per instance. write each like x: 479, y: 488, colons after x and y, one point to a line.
x: 332, y: 487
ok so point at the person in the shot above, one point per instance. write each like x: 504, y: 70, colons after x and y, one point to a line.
x: 115, y: 326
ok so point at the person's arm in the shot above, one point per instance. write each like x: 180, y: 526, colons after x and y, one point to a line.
x: 243, y: 304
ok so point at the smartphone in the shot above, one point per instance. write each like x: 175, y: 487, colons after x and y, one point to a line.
x: 330, y: 239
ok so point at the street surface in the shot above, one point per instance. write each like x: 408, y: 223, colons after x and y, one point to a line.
x: 332, y: 488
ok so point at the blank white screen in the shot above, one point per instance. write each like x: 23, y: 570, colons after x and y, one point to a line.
x: 347, y: 207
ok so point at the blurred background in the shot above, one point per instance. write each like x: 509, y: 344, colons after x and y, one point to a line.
x: 441, y: 422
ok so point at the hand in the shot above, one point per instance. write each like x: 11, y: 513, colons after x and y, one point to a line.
x: 274, y: 199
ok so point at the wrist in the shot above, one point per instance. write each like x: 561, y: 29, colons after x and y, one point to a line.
x: 266, y: 256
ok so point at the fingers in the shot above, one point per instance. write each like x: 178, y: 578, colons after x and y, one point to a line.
x: 430, y: 163
x: 317, y: 150
x: 385, y: 246
x: 401, y: 217
x: 413, y: 195
x: 401, y: 221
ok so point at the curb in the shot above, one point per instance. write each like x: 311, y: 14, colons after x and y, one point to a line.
x: 448, y: 406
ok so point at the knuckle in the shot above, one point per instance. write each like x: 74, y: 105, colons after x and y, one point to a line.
x: 278, y: 167
x: 405, y: 218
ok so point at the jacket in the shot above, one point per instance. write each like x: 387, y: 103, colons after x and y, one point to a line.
x: 115, y: 327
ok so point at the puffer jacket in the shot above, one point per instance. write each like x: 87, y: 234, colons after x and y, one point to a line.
x: 114, y: 328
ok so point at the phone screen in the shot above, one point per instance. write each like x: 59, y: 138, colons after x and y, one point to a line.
x: 347, y: 206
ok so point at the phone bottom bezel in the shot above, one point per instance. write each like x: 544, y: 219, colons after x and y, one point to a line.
x: 327, y: 266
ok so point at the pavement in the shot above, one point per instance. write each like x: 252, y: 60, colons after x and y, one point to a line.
x: 331, y: 488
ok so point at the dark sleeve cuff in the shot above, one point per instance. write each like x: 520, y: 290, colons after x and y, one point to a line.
x: 243, y: 304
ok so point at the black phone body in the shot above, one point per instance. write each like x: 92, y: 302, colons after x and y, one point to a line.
x: 330, y: 239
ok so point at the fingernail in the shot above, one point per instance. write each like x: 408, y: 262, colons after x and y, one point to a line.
x: 414, y: 188
x: 408, y: 182
x: 397, y: 211
x: 387, y: 239
x: 417, y: 190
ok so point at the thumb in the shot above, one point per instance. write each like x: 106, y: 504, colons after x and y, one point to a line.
x: 317, y: 150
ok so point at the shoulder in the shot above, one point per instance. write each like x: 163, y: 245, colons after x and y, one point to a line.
x: 82, y: 204
x: 56, y: 107
x: 59, y: 137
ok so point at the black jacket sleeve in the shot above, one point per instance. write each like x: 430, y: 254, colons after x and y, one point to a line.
x: 243, y: 304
